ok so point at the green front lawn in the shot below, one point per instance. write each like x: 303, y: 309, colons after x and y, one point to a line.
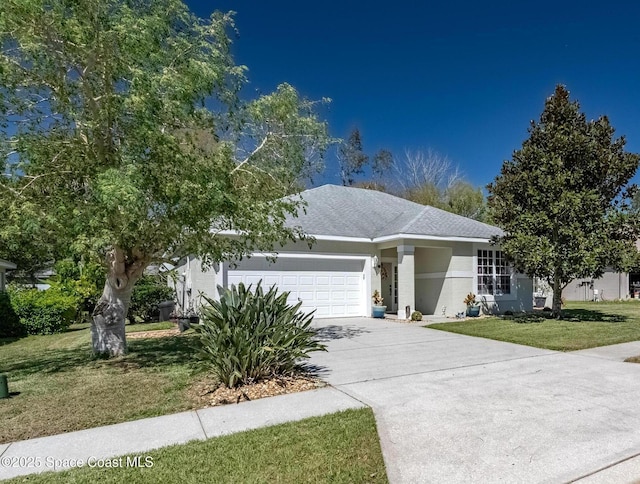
x: 58, y: 387
x: 341, y: 447
x: 585, y: 325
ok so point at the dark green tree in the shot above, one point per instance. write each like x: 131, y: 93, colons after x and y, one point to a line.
x: 563, y: 199
x: 122, y: 135
x: 351, y: 158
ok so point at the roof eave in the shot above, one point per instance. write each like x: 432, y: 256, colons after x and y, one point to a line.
x: 5, y: 264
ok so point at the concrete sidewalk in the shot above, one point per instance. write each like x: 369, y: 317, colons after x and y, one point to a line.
x: 619, y: 352
x: 65, y: 451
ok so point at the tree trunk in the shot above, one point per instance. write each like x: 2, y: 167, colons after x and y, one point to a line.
x: 556, y: 309
x: 107, y: 328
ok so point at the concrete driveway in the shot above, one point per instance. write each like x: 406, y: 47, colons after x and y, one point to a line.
x: 453, y: 408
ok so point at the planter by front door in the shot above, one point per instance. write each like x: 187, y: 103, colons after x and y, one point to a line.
x: 378, y: 311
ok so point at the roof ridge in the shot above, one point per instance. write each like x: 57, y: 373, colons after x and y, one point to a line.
x: 413, y: 220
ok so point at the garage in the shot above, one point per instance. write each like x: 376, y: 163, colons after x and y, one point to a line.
x: 333, y: 287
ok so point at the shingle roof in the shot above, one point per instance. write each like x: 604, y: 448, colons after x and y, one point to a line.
x: 355, y: 212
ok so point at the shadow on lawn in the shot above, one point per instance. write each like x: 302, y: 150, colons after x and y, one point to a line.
x: 591, y: 316
x: 159, y: 352
x: 568, y: 315
x: 143, y: 353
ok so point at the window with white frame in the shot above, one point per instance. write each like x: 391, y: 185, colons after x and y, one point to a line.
x: 494, y: 273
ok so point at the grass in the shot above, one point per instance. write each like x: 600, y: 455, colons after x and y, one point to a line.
x: 337, y: 448
x: 585, y: 325
x: 57, y: 386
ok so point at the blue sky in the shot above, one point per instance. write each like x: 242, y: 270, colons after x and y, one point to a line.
x: 462, y: 78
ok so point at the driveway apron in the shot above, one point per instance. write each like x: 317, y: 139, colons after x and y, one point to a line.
x: 454, y: 408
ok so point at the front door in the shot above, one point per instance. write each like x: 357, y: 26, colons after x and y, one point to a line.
x: 389, y: 284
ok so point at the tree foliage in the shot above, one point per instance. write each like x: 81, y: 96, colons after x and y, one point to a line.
x: 428, y: 178
x: 123, y: 137
x: 351, y: 158
x: 563, y: 199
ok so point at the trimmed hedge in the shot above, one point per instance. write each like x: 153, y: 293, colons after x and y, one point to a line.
x: 147, y: 294
x: 43, y: 312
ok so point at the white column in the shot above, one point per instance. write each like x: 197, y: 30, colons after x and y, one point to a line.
x: 406, y: 280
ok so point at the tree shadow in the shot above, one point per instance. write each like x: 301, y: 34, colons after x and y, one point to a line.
x: 154, y: 353
x: 568, y: 315
x: 162, y: 352
x: 333, y: 332
x: 50, y: 361
x: 592, y: 316
x: 12, y: 339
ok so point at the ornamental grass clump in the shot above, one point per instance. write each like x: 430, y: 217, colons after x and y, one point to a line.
x: 248, y: 336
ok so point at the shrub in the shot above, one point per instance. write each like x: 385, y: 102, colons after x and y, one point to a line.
x: 416, y: 316
x: 147, y: 294
x: 249, y: 336
x: 43, y: 312
x: 9, y: 320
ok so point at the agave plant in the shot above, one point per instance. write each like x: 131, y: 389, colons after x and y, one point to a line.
x: 250, y: 335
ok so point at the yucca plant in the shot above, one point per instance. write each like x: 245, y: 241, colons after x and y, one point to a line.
x: 250, y: 335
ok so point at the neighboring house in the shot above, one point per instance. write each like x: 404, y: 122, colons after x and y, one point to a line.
x: 4, y: 265
x: 418, y: 257
x: 612, y: 285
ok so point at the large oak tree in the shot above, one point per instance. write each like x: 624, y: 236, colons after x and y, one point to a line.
x: 563, y: 199
x: 122, y: 133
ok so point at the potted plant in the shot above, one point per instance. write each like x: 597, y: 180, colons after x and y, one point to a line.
x: 473, y: 306
x: 378, y: 309
x: 541, y: 289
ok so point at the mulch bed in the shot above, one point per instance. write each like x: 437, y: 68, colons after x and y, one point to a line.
x: 160, y: 333
x: 207, y: 394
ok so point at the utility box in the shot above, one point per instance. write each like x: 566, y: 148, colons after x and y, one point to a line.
x: 4, y: 387
x: 166, y: 308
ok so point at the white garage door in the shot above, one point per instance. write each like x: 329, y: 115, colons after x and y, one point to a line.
x: 333, y: 287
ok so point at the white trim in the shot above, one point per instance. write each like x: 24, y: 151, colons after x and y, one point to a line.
x: 445, y: 275
x: 341, y: 238
x: 384, y: 238
x: 310, y: 255
x: 389, y: 238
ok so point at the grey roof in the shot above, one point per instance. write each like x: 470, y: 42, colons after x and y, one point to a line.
x: 355, y: 212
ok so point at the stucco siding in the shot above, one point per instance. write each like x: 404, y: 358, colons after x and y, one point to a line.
x: 612, y: 285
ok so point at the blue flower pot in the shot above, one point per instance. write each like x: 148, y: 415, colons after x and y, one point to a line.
x: 473, y: 311
x: 378, y: 311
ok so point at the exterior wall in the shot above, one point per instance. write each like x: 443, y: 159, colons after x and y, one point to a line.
x: 434, y: 276
x: 523, y: 302
x: 612, y: 285
x: 520, y: 298
x: 191, y: 282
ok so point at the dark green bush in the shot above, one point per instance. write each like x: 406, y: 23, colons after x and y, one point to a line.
x: 147, y: 294
x: 416, y: 316
x: 9, y: 320
x: 249, y: 335
x: 43, y: 312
